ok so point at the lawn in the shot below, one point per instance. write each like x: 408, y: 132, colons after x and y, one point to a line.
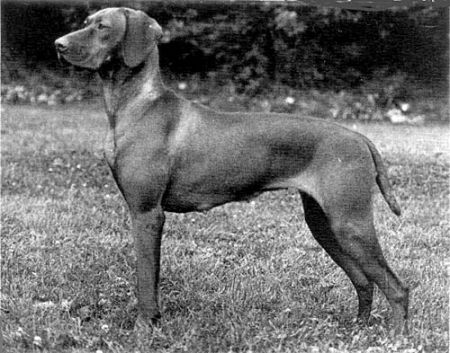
x: 245, y: 277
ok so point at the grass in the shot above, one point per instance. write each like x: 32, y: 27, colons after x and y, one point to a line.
x: 245, y: 277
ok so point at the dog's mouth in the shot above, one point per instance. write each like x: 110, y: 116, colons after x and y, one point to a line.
x: 62, y: 60
x: 75, y: 58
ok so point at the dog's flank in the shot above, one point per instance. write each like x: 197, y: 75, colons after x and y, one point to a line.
x: 169, y: 154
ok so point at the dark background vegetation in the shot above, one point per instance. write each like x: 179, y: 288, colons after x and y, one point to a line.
x: 247, y: 50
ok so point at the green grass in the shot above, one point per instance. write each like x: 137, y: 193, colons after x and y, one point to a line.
x: 245, y: 277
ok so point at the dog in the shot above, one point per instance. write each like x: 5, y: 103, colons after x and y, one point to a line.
x: 168, y: 154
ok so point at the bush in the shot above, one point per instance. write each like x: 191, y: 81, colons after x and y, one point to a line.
x: 305, y: 47
x: 254, y: 45
x: 253, y: 56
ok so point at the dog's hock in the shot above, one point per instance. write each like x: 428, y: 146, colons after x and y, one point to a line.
x: 141, y: 36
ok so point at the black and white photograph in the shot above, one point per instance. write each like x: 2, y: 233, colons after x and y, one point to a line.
x: 225, y: 176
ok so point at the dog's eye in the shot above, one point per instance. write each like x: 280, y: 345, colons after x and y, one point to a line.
x: 102, y: 26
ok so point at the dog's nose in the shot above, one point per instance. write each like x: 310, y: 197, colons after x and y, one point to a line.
x: 61, y: 45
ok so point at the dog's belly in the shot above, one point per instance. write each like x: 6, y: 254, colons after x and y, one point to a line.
x: 204, y: 193
x: 182, y: 198
x: 194, y: 202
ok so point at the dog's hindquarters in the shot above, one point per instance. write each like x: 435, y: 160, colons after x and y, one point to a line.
x: 340, y: 216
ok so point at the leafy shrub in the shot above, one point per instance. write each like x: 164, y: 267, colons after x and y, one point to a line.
x: 254, y: 55
x: 257, y: 45
x: 254, y: 44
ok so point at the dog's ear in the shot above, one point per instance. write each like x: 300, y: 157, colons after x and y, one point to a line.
x: 141, y: 35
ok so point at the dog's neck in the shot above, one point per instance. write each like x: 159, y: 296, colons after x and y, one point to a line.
x: 122, y: 84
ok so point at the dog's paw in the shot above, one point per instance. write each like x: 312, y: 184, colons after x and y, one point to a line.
x: 144, y: 333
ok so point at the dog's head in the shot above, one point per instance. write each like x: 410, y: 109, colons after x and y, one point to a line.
x: 112, y: 33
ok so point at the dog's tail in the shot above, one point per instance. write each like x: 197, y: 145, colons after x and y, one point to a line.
x: 382, y: 179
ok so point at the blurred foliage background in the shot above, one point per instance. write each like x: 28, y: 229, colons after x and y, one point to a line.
x: 254, y: 55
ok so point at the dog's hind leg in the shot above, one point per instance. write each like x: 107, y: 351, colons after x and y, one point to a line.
x: 346, y: 212
x: 358, y: 240
x: 320, y: 227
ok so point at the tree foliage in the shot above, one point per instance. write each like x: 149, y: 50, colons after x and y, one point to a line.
x: 253, y: 45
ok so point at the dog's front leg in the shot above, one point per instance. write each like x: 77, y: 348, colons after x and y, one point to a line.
x: 147, y: 228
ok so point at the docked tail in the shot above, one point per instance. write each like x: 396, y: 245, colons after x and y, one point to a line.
x: 382, y: 179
